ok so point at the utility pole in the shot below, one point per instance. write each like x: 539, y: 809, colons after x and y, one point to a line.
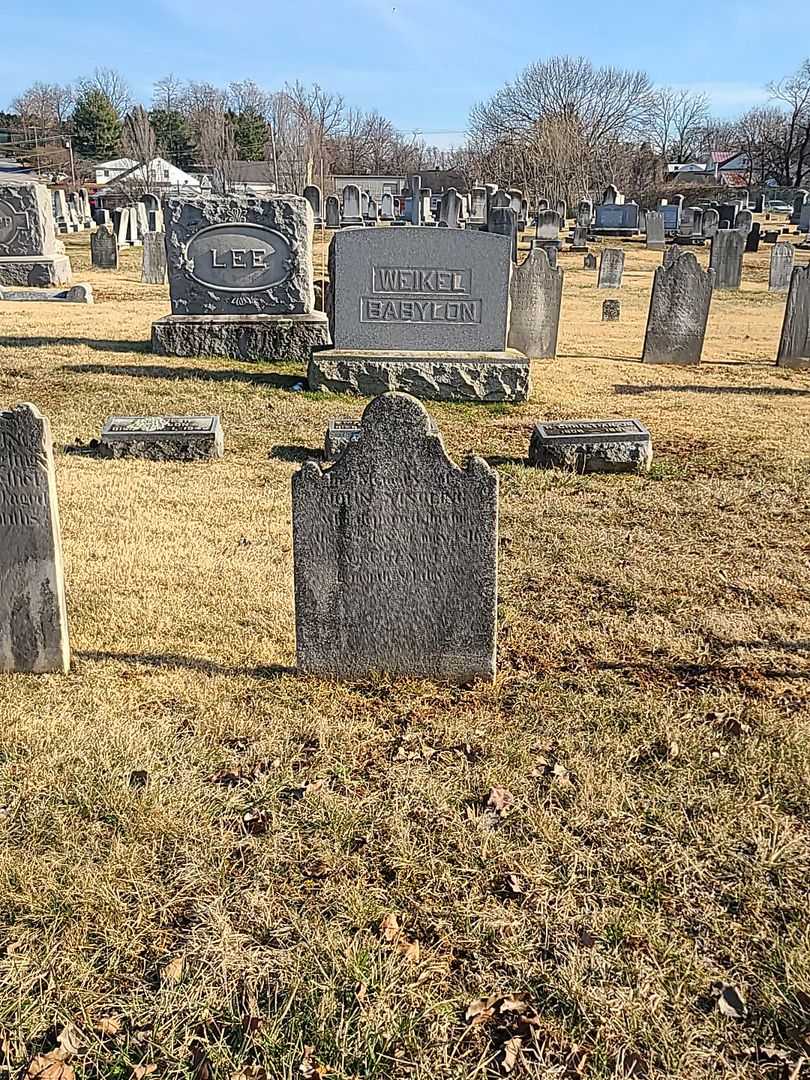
x: 69, y: 147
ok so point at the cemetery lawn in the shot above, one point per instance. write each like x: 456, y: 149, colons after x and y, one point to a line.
x: 209, y: 863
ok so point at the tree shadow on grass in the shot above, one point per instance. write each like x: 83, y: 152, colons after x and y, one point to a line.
x: 161, y: 371
x: 192, y: 663
x: 779, y: 391
x: 15, y: 341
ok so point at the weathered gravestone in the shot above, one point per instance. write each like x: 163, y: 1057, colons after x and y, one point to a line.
x: 342, y: 430
x: 548, y: 227
x: 395, y: 555
x: 33, y: 619
x: 589, y: 262
x: 671, y: 217
x: 579, y: 238
x: 611, y: 269
x: 744, y: 221
x: 672, y: 253
x: 478, y: 206
x: 710, y: 223
x: 240, y: 279
x: 104, y: 248
x: 679, y: 311
x: 617, y: 219
x: 781, y: 267
x: 312, y: 193
x: 536, y: 293
x: 332, y: 212
x: 30, y: 254
x: 794, y: 344
x: 799, y: 202
x: 153, y: 271
x: 585, y: 213
x: 726, y: 258
x: 163, y: 438
x: 591, y: 446
x: 753, y: 237
x: 450, y: 209
x: 655, y: 231
x: 501, y: 221
x: 422, y: 310
x: 387, y: 206
x: 611, y: 310
x: 352, y: 206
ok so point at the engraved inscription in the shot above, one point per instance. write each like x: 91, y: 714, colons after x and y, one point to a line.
x: 396, y: 310
x: 424, y: 281
x: 238, y: 257
x: 595, y: 427
x: 153, y: 424
x: 9, y: 225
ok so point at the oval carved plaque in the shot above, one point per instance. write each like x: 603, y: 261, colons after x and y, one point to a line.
x: 238, y: 257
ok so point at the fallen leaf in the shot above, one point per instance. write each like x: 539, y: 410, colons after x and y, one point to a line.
x: 140, y: 1071
x: 513, y: 1004
x: 361, y: 993
x: 255, y: 822
x: 479, y: 1011
x: 310, y: 1068
x: 250, y: 1072
x: 509, y: 1054
x: 389, y: 927
x: 108, y: 1025
x: 410, y: 950
x: 50, y: 1066
x: 730, y: 1001
x: 562, y: 776
x: 229, y: 777
x: 512, y: 886
x: 70, y: 1040
x: 393, y: 934
x: 173, y: 971
x: 500, y: 801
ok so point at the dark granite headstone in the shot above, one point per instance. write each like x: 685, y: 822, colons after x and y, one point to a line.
x: 33, y: 618
x: 752, y: 239
x: 332, y: 210
x: 794, y: 344
x: 395, y: 555
x: 679, y: 312
x: 104, y: 248
x: 611, y: 310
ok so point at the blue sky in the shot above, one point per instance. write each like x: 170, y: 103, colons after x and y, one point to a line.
x: 423, y: 63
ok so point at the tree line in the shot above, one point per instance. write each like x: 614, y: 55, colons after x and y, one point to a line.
x: 561, y: 127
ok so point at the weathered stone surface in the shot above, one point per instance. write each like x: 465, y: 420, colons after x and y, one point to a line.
x: 76, y: 294
x: 592, y: 446
x: 240, y: 255
x: 312, y: 193
x: 710, y: 223
x: 163, y: 438
x: 781, y: 267
x: 753, y: 238
x: 794, y: 344
x: 154, y: 271
x: 344, y: 429
x: 242, y: 337
x: 536, y: 293
x: 611, y: 269
x: 104, y: 248
x: 611, y: 310
x: 35, y: 271
x: 579, y: 238
x: 655, y: 231
x: 395, y: 555
x: 431, y: 376
x: 435, y: 289
x: 679, y: 311
x: 332, y: 211
x: 672, y: 253
x: 26, y: 220
x: 33, y: 618
x: 548, y: 226
x: 589, y: 262
x: 351, y: 211
x: 727, y: 258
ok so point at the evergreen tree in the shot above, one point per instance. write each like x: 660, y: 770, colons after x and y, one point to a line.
x: 250, y: 135
x: 173, y: 137
x: 96, y: 126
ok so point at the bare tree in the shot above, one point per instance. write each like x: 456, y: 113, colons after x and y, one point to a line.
x: 45, y: 106
x: 678, y: 117
x: 794, y: 92
x: 169, y: 94
x: 112, y: 84
x: 138, y: 141
x: 248, y: 96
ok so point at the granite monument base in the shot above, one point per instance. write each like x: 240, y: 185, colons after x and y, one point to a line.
x: 35, y: 270
x: 431, y: 376
x: 241, y: 337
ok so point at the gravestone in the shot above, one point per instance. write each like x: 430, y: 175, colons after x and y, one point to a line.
x: 548, y: 227
x: 163, y: 438
x: 523, y: 220
x: 240, y: 279
x: 611, y: 269
x: 60, y: 211
x: 728, y: 214
x: 422, y: 310
x: 154, y: 270
x: 500, y: 200
x: 672, y: 253
x: 744, y: 221
x: 342, y: 430
x: 589, y: 262
x: 30, y: 254
x: 502, y: 222
x: 142, y: 218
x: 611, y: 196
x: 618, y: 219
x: 799, y: 201
x: 332, y: 212
x: 416, y: 200
x: 372, y: 211
x: 611, y: 310
x: 591, y: 446
x: 752, y: 239
x: 33, y: 618
x: 794, y: 343
x: 671, y: 216
x: 395, y: 554
x: 579, y: 238
x: 364, y: 205
x: 679, y: 312
x: 312, y: 193
x: 710, y: 223
x: 352, y: 206
x: 561, y: 208
x: 104, y: 248
x: 121, y: 225
x: 781, y: 267
x: 425, y: 211
x: 543, y: 204
x: 655, y: 231
x: 536, y: 296
x: 585, y: 213
x: 387, y: 206
x: 478, y: 205
x: 450, y: 209
x: 727, y: 258
x: 74, y: 294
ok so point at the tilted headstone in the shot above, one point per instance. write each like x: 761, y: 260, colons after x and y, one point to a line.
x: 352, y: 206
x: 33, y: 618
x: 312, y: 193
x: 611, y: 269
x: 332, y: 212
x: 30, y: 254
x: 395, y: 554
x: 655, y: 231
x: 536, y: 295
x: 727, y: 258
x: 679, y: 312
x: 104, y: 248
x: 240, y: 279
x: 154, y: 271
x: 781, y: 267
x: 422, y: 310
x: 794, y: 343
x: 450, y: 209
x: 591, y: 446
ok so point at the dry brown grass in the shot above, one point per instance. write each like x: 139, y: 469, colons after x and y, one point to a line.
x: 654, y: 639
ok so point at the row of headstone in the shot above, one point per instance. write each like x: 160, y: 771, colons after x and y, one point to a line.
x: 71, y: 210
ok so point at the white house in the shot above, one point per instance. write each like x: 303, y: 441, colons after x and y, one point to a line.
x: 155, y: 173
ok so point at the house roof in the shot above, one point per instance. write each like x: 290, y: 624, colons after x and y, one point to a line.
x: 735, y: 179
x: 717, y: 157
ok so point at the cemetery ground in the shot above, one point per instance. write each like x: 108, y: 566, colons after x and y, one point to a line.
x: 208, y: 862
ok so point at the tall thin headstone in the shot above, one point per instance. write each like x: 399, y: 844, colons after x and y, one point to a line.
x: 352, y: 203
x: 154, y: 270
x: 611, y: 269
x: 536, y: 295
x: 679, y: 312
x: 794, y: 344
x: 33, y: 618
x: 312, y: 193
x: 104, y: 248
x: 727, y: 258
x: 781, y: 267
x: 395, y: 554
x: 655, y: 231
